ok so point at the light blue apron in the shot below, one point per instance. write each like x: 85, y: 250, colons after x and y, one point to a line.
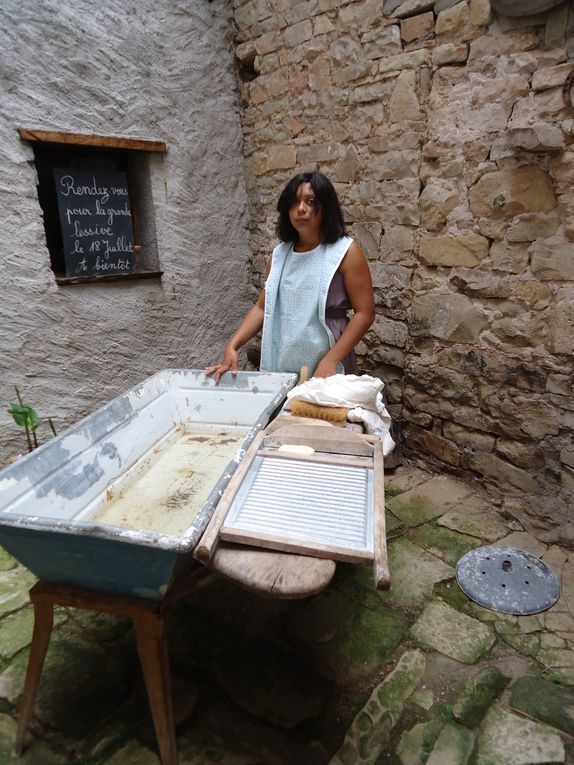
x: 295, y: 332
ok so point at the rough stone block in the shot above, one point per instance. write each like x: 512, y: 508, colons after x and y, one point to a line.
x: 453, y: 24
x: 395, y: 165
x: 561, y: 327
x: 298, y: 33
x: 540, y: 137
x: 532, y: 226
x: 402, y: 61
x: 553, y: 260
x: 551, y: 76
x: 450, y: 53
x: 503, y: 472
x: 417, y: 27
x: 413, y: 7
x: 360, y: 14
x: 452, y: 633
x: 528, y: 456
x: 449, y: 250
x: 433, y: 446
x: 470, y: 439
x: 507, y: 193
x: 404, y: 103
x: 480, y: 283
x: 281, y: 157
x: 390, y: 332
x: 448, y: 317
x: 480, y: 13
x: 438, y: 199
x: 502, y: 45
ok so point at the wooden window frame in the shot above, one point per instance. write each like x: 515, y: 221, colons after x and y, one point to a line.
x: 96, y: 141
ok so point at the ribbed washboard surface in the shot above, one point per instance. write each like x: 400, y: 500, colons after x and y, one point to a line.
x: 309, y: 502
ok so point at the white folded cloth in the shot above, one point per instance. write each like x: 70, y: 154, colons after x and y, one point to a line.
x: 361, y: 394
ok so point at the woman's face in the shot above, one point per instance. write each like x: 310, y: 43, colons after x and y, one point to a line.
x: 304, y: 215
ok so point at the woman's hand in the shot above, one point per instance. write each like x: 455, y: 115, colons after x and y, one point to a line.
x: 325, y: 368
x: 230, y: 359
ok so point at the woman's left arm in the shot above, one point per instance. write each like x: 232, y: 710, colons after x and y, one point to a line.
x: 359, y: 286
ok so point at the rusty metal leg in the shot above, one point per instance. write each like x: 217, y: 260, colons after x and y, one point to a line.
x: 43, y: 623
x: 151, y: 641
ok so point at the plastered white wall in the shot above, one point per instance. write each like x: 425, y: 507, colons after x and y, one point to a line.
x: 161, y: 70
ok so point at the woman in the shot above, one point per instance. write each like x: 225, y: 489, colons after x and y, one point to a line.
x: 313, y: 277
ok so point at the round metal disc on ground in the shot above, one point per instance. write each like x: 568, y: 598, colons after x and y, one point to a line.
x: 507, y: 580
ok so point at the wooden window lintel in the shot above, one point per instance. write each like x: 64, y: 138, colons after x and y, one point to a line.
x: 84, y: 139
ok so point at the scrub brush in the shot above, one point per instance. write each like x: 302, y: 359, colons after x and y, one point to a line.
x: 317, y: 411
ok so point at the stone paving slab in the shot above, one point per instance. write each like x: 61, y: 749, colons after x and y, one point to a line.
x: 427, y: 501
x: 454, y: 634
x: 344, y: 638
x: 512, y: 740
x: 16, y: 632
x: 475, y: 517
x: 522, y: 540
x: 14, y: 587
x: 447, y: 545
x: 414, y: 572
x: 7, y: 562
x: 36, y: 752
x: 454, y: 746
x: 479, y: 693
x: 404, y: 479
x: 366, y: 737
x: 544, y: 701
x: 134, y: 754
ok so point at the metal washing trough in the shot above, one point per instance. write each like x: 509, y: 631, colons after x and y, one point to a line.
x: 118, y: 502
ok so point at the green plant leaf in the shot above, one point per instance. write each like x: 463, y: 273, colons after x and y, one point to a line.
x: 24, y: 416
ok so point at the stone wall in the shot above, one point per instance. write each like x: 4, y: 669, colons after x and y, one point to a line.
x: 164, y: 71
x: 447, y: 130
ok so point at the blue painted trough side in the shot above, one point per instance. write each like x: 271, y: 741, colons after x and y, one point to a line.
x: 47, y: 497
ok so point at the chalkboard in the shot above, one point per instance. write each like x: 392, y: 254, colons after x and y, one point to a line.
x: 96, y: 221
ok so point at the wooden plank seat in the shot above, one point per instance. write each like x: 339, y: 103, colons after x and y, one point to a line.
x: 280, y: 575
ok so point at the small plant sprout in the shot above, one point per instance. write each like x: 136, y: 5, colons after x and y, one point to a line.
x: 27, y: 417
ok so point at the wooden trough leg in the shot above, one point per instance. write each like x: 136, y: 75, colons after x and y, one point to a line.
x: 43, y: 623
x: 151, y: 641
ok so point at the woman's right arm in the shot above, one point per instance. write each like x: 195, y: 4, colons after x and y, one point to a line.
x: 249, y: 327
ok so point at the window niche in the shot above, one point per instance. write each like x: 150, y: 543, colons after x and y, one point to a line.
x: 95, y: 195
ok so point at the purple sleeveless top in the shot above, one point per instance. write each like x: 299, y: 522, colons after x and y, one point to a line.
x: 338, y: 298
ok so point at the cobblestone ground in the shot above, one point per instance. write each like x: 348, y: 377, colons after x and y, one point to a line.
x: 418, y: 674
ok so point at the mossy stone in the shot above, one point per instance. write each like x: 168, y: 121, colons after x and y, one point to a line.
x: 7, y: 562
x: 427, y: 501
x: 369, y: 730
x: 455, y: 746
x: 448, y: 545
x: 452, y: 633
x: 544, y: 701
x: 81, y: 684
x: 479, y: 693
x: 345, y: 639
x: 16, y: 632
x: 36, y: 752
x: 14, y: 588
x: 414, y: 571
x: 513, y: 740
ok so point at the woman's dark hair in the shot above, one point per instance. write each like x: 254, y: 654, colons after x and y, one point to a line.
x: 332, y: 223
